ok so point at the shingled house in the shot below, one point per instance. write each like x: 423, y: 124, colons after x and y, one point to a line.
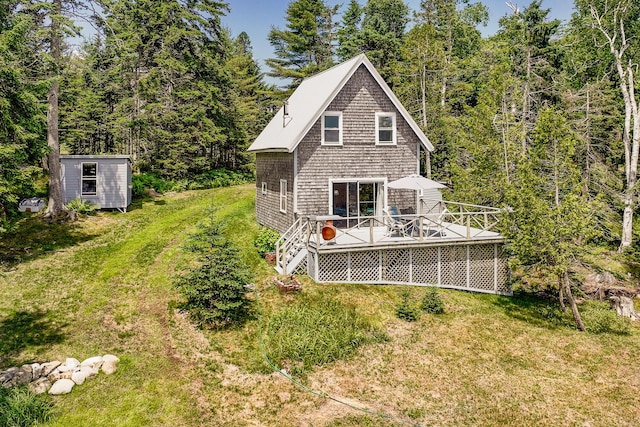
x: 332, y: 146
x: 328, y: 155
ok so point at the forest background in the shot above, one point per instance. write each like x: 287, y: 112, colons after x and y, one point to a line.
x: 540, y: 117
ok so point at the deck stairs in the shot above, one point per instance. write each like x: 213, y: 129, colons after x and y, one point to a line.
x: 291, y: 249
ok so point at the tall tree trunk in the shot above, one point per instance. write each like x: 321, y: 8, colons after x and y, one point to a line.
x: 423, y: 93
x: 618, y: 45
x: 572, y: 301
x: 56, y: 207
x: 526, y: 106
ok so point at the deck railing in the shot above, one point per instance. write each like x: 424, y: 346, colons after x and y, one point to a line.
x: 437, y: 220
x: 291, y: 241
x: 470, y: 216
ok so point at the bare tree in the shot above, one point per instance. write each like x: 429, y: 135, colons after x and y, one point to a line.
x: 608, y: 18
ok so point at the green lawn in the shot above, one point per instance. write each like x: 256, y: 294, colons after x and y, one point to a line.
x: 103, y: 285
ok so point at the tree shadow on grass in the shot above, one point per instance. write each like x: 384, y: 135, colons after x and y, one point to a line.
x: 34, y: 237
x: 26, y: 330
x: 535, y: 310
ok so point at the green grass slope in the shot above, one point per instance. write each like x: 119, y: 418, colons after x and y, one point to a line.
x: 104, y: 285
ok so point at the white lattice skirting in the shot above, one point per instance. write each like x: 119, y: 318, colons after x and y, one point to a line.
x: 473, y: 267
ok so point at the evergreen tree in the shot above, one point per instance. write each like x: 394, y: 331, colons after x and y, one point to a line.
x: 306, y: 46
x: 169, y: 113
x: 382, y: 34
x: 22, y: 123
x: 534, y: 59
x: 552, y: 217
x: 348, y: 33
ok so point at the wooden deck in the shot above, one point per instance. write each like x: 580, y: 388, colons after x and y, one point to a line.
x: 444, y: 250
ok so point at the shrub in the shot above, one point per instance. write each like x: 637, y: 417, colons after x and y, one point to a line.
x: 315, y: 332
x: 82, y: 206
x: 265, y: 240
x: 215, y: 289
x: 145, y: 181
x: 431, y: 302
x: 599, y: 318
x: 220, y: 178
x: 407, y: 310
x: 19, y: 407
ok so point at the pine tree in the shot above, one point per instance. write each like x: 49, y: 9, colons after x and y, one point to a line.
x: 348, y: 34
x: 382, y: 34
x: 552, y: 217
x: 306, y: 46
x: 22, y: 130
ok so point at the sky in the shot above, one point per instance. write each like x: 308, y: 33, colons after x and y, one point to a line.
x: 256, y: 17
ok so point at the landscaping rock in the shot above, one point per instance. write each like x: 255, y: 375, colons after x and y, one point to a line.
x: 62, y: 386
x: 23, y: 376
x: 79, y: 377
x: 109, y: 362
x: 93, y: 362
x: 56, y: 377
x: 36, y: 370
x: 72, y: 363
x: 39, y: 386
x: 110, y: 358
x: 48, y: 367
x: 89, y: 371
x: 109, y: 367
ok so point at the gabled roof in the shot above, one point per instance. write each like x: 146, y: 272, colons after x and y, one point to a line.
x: 311, y: 99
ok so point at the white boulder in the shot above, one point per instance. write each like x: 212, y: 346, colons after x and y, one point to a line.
x: 62, y: 386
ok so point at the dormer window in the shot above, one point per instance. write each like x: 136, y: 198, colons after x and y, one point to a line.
x: 385, y: 128
x: 332, y: 128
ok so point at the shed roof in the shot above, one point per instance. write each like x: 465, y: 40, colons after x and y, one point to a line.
x: 95, y: 156
x: 310, y: 100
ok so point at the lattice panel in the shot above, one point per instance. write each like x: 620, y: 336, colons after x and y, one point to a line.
x: 334, y: 267
x: 365, y: 266
x: 503, y: 272
x: 454, y: 266
x: 311, y: 264
x: 301, y: 270
x: 396, y: 265
x: 425, y: 265
x: 481, y: 272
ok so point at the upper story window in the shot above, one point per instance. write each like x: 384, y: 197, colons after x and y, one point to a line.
x: 385, y: 128
x: 332, y: 128
x: 89, y: 179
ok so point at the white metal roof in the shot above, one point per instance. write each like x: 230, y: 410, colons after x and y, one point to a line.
x: 310, y: 100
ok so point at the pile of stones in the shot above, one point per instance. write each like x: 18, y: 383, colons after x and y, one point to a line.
x: 58, y: 377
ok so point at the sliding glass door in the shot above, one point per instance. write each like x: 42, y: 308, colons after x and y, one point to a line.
x: 356, y: 201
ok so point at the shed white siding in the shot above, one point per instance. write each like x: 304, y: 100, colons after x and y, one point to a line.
x: 113, y: 180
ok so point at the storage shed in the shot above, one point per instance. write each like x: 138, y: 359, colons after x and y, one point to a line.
x: 104, y: 181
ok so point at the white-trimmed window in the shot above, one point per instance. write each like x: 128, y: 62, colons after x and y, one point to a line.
x: 264, y: 188
x: 89, y: 180
x: 332, y: 128
x: 283, y: 195
x: 385, y: 128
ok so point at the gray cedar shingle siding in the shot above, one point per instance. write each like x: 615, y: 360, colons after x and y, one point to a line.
x: 359, y: 156
x: 113, y: 181
x: 271, y: 168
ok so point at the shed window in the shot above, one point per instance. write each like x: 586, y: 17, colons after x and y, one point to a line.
x: 89, y: 179
x: 283, y: 195
x: 264, y: 188
x: 385, y: 128
x: 332, y: 128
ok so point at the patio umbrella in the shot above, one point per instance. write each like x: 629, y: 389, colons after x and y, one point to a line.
x: 415, y: 182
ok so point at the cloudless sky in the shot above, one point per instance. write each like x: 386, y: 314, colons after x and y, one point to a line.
x: 256, y: 17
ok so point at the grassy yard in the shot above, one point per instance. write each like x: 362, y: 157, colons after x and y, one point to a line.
x: 104, y: 285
